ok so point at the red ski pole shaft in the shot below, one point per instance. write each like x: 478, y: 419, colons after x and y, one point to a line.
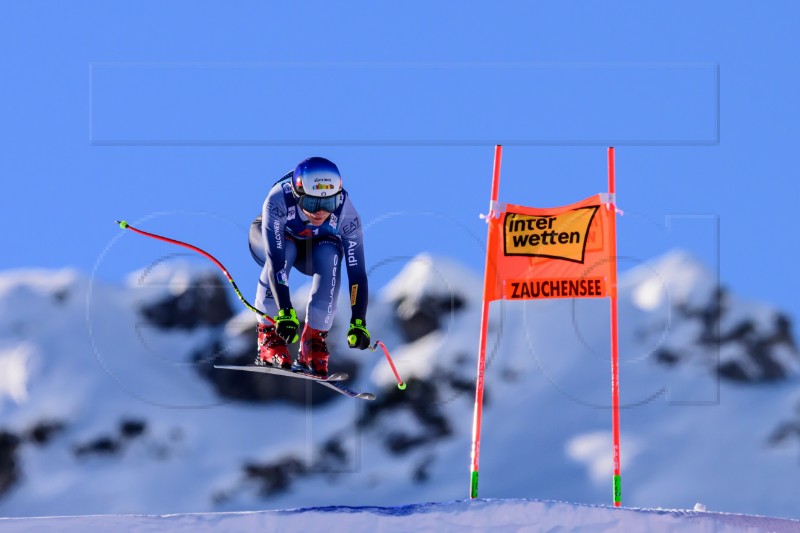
x: 400, y: 383
x: 125, y: 225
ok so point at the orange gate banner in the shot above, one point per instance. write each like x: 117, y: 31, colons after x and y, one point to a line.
x: 559, y: 252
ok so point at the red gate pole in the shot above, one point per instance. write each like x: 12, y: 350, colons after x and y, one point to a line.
x: 488, y: 273
x: 617, y: 485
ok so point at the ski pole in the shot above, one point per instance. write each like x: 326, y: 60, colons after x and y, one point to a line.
x: 400, y: 383
x: 125, y: 225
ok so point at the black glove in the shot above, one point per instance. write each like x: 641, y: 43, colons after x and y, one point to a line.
x: 286, y: 325
x: 357, y: 335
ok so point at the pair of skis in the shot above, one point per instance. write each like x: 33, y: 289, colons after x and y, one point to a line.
x: 332, y: 381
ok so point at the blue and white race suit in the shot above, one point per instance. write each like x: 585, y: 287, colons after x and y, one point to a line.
x: 281, y: 237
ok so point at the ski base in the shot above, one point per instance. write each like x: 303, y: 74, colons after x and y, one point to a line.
x: 341, y: 389
x: 332, y: 381
x: 295, y: 372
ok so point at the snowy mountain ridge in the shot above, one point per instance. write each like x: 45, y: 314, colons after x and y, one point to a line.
x: 117, y: 383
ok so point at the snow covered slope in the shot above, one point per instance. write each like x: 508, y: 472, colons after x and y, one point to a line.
x: 460, y: 516
x: 109, y: 402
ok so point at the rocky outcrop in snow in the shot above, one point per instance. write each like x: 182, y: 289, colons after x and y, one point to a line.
x: 706, y: 324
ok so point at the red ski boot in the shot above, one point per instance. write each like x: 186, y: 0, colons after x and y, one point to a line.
x: 272, y: 350
x: 314, y: 351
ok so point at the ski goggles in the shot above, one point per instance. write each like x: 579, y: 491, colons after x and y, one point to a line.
x: 312, y: 204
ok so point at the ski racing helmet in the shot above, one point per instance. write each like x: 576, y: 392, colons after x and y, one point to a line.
x: 317, y: 185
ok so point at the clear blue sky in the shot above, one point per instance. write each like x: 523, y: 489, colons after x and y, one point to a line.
x: 179, y: 115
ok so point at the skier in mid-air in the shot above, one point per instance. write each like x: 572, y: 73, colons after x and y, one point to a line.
x: 308, y: 222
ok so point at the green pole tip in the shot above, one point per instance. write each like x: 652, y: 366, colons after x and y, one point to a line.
x: 473, y: 485
x: 122, y: 224
x: 401, y: 386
